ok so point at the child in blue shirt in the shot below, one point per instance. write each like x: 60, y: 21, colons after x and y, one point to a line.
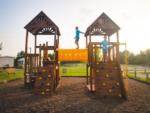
x: 77, y: 36
x: 105, y: 45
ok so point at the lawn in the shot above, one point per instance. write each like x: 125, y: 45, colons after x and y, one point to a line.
x: 70, y: 69
x: 4, y: 77
x: 73, y: 69
x: 143, y: 79
x: 141, y: 72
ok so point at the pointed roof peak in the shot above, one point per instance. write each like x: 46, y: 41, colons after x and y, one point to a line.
x: 103, y: 24
x: 42, y: 24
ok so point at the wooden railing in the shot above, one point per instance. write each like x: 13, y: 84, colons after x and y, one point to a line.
x: 140, y: 74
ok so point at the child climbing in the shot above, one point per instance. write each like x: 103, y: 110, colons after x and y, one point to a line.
x: 77, y: 36
x: 104, y: 45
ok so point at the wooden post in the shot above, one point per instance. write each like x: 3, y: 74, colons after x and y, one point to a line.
x: 113, y: 52
x: 34, y: 57
x: 91, y: 77
x: 56, y: 57
x: 57, y: 42
x: 135, y: 72
x: 109, y: 49
x: 57, y: 64
x: 86, y: 41
x: 117, y: 52
x: 90, y: 39
x: 95, y: 50
x: 147, y: 75
x: 40, y: 55
x: 26, y: 51
x: 126, y: 60
x: 35, y: 44
x: 87, y: 77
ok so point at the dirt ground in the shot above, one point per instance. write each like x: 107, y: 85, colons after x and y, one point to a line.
x: 72, y: 97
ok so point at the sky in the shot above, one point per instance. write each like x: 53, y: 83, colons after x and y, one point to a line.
x: 133, y: 17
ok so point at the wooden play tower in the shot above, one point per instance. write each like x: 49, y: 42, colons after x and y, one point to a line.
x: 41, y: 72
x: 105, y: 77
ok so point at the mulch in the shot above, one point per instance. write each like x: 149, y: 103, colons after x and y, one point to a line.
x: 72, y: 97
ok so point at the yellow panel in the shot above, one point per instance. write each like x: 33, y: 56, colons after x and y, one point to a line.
x: 73, y: 55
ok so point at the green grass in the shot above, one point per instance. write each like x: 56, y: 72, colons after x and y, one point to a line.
x: 66, y: 70
x: 143, y: 79
x: 73, y: 69
x: 5, y: 77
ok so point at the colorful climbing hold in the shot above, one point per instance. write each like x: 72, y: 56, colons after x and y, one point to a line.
x: 104, y: 84
x: 110, y: 90
x: 42, y: 92
x: 47, y: 90
x: 49, y: 75
x: 39, y: 78
x: 117, y: 83
x: 107, y: 75
x: 48, y: 84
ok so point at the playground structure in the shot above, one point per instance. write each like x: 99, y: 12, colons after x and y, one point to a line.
x: 104, y: 78
x: 41, y: 72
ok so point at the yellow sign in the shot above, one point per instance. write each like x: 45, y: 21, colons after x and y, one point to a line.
x: 73, y: 55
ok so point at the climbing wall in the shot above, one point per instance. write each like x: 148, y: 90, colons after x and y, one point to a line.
x: 45, y: 84
x: 108, y: 80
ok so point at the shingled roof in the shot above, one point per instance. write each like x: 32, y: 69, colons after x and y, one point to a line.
x: 102, y: 25
x: 42, y: 24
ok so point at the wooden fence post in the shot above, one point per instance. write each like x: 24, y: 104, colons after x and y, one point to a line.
x: 147, y: 77
x: 135, y: 72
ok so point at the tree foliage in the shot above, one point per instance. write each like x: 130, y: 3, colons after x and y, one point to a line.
x: 20, y: 54
x: 143, y: 58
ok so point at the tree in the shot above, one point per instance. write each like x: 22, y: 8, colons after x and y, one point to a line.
x: 20, y: 54
x: 143, y: 58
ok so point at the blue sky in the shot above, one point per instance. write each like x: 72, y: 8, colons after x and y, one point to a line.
x: 131, y: 15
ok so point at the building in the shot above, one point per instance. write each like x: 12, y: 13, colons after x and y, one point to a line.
x: 6, y: 61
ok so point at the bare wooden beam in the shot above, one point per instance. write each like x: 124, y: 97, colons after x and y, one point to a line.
x: 86, y: 41
x: 26, y: 42
x: 117, y: 34
x: 117, y: 48
x: 58, y: 41
x: 40, y: 55
x: 89, y: 38
x: 35, y: 43
x: 25, y: 65
x: 48, y: 47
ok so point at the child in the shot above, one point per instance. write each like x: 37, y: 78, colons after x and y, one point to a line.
x: 104, y: 45
x: 77, y: 37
